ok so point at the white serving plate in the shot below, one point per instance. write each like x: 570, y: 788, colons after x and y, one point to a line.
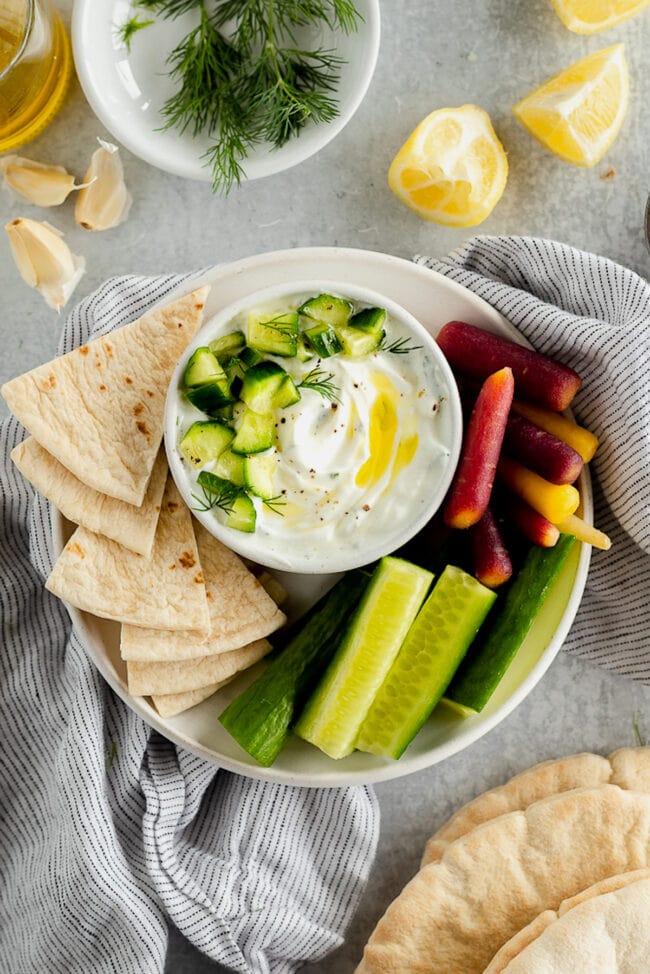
x: 126, y: 89
x: 433, y: 300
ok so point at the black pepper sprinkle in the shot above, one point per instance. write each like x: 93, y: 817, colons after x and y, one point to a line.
x: 284, y: 419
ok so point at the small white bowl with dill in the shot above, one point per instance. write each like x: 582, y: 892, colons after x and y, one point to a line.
x: 313, y: 427
x: 142, y: 66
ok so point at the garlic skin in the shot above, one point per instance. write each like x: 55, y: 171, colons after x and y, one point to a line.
x: 104, y: 201
x: 44, y: 260
x: 38, y: 183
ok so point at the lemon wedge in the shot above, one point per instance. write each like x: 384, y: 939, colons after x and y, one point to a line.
x: 452, y: 169
x: 590, y: 16
x: 577, y: 113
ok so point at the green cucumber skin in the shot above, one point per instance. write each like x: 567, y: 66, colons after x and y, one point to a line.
x: 430, y: 693
x: 260, y: 718
x: 481, y: 672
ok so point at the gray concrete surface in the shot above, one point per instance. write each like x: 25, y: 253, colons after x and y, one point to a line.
x: 433, y: 54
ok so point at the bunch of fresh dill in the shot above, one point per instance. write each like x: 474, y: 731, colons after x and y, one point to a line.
x: 243, y: 77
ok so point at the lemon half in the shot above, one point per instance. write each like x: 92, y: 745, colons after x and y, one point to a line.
x: 452, y: 169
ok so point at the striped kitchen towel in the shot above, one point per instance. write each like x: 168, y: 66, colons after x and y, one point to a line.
x: 107, y: 830
x: 594, y: 315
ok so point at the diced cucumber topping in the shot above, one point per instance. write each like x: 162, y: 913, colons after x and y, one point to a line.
x: 370, y: 320
x: 202, y: 367
x: 250, y: 357
x: 230, y: 466
x: 242, y: 514
x: 256, y: 433
x: 304, y: 353
x: 205, y: 441
x: 324, y: 340
x: 274, y: 334
x: 234, y: 368
x: 357, y: 342
x: 211, y: 397
x: 327, y: 309
x: 268, y: 386
x: 259, y: 471
x: 228, y: 345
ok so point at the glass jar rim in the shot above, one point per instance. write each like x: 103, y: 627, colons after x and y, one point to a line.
x: 29, y: 23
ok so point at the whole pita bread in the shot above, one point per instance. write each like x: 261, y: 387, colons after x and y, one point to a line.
x: 152, y: 679
x: 99, y: 409
x: 628, y: 767
x: 167, y: 590
x: 132, y: 527
x: 603, y: 930
x: 240, y: 611
x: 171, y: 704
x: 456, y: 914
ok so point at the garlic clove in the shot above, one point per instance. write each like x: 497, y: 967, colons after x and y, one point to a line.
x: 104, y: 202
x: 44, y: 260
x: 40, y: 184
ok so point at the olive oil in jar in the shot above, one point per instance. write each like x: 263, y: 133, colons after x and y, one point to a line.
x: 35, y: 68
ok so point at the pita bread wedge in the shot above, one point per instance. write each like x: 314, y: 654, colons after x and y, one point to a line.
x: 153, y: 679
x: 628, y: 768
x: 171, y: 704
x: 240, y: 611
x: 603, y: 929
x: 110, y: 581
x: 456, y: 914
x: 99, y: 409
x: 132, y: 527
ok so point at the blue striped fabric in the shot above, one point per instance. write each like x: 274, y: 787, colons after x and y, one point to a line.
x: 594, y: 315
x: 107, y: 830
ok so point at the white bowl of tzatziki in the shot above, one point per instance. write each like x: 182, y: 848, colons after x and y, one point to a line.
x: 313, y: 427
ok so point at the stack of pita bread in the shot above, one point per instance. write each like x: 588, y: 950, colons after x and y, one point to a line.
x: 193, y: 615
x: 549, y: 874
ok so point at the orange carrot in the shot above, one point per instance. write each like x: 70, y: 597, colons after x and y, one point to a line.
x: 555, y: 502
x: 470, y: 492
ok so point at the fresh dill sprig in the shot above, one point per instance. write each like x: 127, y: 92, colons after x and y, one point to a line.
x: 274, y: 503
x: 130, y: 28
x: 321, y: 382
x: 244, y: 78
x: 399, y: 347
x: 277, y: 324
x: 170, y: 9
x: 217, y: 492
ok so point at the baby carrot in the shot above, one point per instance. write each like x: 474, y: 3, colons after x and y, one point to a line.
x: 584, y: 442
x: 532, y: 525
x: 540, y: 451
x: 490, y: 559
x: 470, y: 491
x: 555, y: 502
x: 585, y: 532
x: 478, y: 353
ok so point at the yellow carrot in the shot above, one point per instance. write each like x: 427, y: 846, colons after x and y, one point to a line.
x: 584, y: 442
x: 555, y: 502
x: 585, y: 532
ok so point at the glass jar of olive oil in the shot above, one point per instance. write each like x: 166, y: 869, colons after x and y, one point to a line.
x: 35, y: 68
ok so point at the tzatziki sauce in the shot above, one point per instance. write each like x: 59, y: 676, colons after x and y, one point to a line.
x: 352, y: 469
